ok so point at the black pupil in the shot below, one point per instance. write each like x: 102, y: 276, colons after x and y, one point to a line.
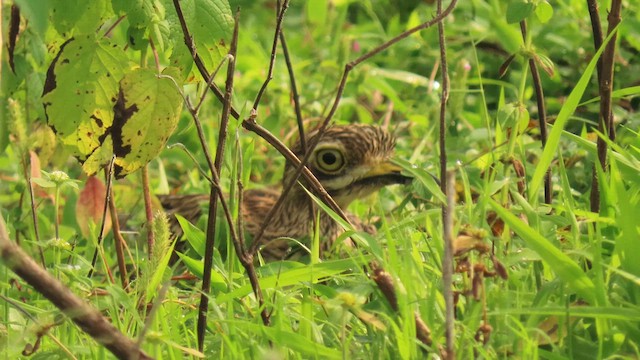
x: 329, y: 158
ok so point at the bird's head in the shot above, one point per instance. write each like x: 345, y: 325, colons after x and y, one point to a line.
x: 351, y: 161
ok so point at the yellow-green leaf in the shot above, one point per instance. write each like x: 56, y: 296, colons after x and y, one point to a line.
x: 145, y: 115
x: 80, y: 91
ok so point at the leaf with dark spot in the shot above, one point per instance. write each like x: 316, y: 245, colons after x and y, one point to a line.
x: 77, y: 95
x: 145, y: 115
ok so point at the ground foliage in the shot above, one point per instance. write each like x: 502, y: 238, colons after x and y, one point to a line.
x: 532, y: 279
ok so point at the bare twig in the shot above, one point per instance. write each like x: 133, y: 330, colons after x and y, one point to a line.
x: 188, y: 40
x: 113, y: 26
x: 216, y: 193
x: 294, y: 91
x: 274, y: 47
x: 86, y: 317
x: 109, y: 179
x: 119, y: 241
x: 34, y: 217
x: 447, y: 266
x: 542, y: 113
x: 605, y: 81
x: 446, y: 184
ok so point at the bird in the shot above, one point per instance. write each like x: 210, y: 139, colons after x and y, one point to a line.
x: 350, y: 161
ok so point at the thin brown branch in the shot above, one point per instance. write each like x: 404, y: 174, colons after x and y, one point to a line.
x: 108, y: 174
x: 274, y: 48
x: 188, y: 40
x: 113, y: 26
x: 447, y: 266
x: 294, y: 91
x: 119, y: 241
x: 596, y: 29
x: 605, y: 81
x: 446, y: 184
x: 86, y: 317
x: 542, y: 113
x: 34, y: 216
x: 216, y: 193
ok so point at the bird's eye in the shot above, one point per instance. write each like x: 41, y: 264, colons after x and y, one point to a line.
x: 329, y: 160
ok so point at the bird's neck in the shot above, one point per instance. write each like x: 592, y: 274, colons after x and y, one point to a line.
x: 297, y: 214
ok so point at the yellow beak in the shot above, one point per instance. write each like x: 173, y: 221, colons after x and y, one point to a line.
x: 383, y: 168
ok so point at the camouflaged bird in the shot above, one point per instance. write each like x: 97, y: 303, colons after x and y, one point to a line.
x: 351, y: 162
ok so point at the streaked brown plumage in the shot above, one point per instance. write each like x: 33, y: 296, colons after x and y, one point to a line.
x: 350, y: 161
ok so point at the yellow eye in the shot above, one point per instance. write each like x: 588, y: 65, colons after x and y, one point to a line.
x: 329, y: 160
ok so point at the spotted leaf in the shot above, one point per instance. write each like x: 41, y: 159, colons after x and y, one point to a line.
x: 80, y: 91
x: 145, y: 115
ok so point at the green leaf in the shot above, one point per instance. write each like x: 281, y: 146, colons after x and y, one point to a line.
x: 425, y: 178
x: 629, y: 91
x: 210, y: 23
x: 518, y: 11
x: 36, y: 13
x: 218, y: 282
x: 292, y: 341
x: 145, y: 115
x: 544, y: 11
x: 138, y: 12
x: 43, y: 183
x: 567, y: 110
x: 560, y: 263
x: 79, y: 15
x: 194, y: 235
x: 297, y: 275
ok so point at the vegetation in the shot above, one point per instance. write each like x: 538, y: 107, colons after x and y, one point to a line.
x: 544, y: 264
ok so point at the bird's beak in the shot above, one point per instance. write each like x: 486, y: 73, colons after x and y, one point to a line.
x: 388, y: 170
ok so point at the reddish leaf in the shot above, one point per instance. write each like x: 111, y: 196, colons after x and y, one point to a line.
x: 34, y: 162
x: 90, y: 205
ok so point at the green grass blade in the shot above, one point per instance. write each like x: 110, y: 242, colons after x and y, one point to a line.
x: 561, y: 264
x: 567, y: 110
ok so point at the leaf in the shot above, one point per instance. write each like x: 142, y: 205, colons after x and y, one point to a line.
x: 90, y: 206
x: 505, y: 65
x: 145, y: 115
x: 210, y: 23
x: 138, y: 12
x: 44, y: 183
x: 80, y: 15
x: 544, y: 11
x: 196, y: 267
x: 567, y: 110
x: 629, y: 91
x: 424, y: 177
x: 518, y: 11
x: 36, y: 13
x: 297, y: 275
x: 545, y: 63
x: 559, y: 262
x: 195, y: 236
x: 80, y: 91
